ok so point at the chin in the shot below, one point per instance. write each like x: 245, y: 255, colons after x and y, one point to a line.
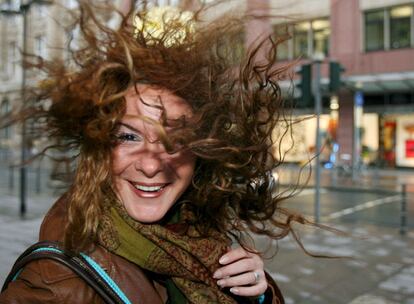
x: 145, y: 216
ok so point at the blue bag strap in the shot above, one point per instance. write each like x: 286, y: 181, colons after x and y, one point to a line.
x: 83, y: 265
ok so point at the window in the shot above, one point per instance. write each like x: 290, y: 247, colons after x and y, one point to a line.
x: 321, y: 32
x: 400, y: 26
x: 282, y: 35
x: 308, y: 38
x: 374, y: 30
x: 72, y: 42
x: 389, y: 28
x: 300, y: 39
x: 4, y: 110
x: 12, y: 58
x: 40, y: 46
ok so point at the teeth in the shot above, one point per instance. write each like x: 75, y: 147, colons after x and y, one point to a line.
x: 149, y: 189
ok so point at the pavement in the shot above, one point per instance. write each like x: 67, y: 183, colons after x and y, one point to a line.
x: 372, y: 263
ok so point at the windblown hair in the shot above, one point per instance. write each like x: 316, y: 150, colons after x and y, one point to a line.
x: 237, y: 109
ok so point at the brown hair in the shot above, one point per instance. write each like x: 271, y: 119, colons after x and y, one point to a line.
x: 236, y: 111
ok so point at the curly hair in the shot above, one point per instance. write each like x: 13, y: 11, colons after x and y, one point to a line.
x: 237, y: 109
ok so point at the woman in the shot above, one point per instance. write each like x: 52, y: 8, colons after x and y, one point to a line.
x: 173, y: 158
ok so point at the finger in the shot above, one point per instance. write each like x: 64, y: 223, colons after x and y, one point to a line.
x: 247, y: 278
x: 250, y: 291
x: 233, y: 255
x: 238, y: 267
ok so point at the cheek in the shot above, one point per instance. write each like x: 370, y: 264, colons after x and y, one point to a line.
x: 184, y: 166
x: 120, y: 161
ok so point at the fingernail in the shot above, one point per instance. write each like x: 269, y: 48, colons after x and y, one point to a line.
x: 223, y: 259
x: 217, y: 275
x: 234, y: 290
x: 220, y: 282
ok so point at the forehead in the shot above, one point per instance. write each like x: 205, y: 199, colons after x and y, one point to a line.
x: 150, y: 101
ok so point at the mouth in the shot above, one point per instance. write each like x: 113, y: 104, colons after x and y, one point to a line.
x: 149, y: 190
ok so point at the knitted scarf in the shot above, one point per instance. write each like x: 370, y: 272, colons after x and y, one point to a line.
x: 176, y: 251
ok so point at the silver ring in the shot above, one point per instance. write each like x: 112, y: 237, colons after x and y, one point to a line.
x: 256, y: 277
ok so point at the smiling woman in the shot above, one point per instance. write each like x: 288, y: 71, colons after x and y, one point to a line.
x: 149, y: 180
x: 173, y: 150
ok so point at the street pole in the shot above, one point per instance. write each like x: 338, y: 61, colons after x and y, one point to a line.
x: 23, y: 169
x: 356, y: 151
x: 318, y: 111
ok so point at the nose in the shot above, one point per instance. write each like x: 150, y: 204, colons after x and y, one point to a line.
x: 151, y: 161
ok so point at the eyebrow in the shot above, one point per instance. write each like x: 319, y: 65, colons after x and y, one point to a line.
x: 129, y: 127
x: 171, y: 126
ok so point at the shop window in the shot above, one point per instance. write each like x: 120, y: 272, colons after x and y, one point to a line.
x: 400, y: 26
x: 374, y: 30
x: 400, y: 98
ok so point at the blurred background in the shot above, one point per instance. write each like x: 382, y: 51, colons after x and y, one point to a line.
x: 352, y: 85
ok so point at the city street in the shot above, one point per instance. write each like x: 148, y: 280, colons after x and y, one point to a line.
x: 373, y: 263
x: 380, y: 264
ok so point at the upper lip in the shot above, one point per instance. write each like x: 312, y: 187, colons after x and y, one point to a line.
x: 149, y: 184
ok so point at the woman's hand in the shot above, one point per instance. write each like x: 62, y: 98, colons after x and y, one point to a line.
x: 242, y: 272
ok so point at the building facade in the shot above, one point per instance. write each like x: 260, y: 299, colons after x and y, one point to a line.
x: 372, y: 117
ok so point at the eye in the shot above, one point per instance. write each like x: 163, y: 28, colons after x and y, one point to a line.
x: 124, y: 137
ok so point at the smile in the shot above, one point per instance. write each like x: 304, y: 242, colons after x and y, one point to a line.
x: 149, y: 188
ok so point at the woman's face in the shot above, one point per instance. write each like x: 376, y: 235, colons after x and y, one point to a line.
x: 148, y: 180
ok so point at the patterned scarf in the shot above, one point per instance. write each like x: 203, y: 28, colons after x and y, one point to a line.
x: 187, y: 259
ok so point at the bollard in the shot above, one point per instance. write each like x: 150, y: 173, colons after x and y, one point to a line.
x: 403, y: 214
x: 38, y: 180
x: 11, y: 178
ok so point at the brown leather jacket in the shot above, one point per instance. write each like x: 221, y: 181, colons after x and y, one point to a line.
x: 46, y: 281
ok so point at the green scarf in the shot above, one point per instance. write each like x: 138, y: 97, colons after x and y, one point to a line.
x: 186, y: 259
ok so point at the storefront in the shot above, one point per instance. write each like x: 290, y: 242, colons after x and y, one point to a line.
x: 397, y: 140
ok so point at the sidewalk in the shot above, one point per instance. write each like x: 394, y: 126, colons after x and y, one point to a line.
x: 17, y: 234
x: 381, y: 270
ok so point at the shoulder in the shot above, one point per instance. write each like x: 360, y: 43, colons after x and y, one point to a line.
x: 46, y: 281
x: 54, y: 223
